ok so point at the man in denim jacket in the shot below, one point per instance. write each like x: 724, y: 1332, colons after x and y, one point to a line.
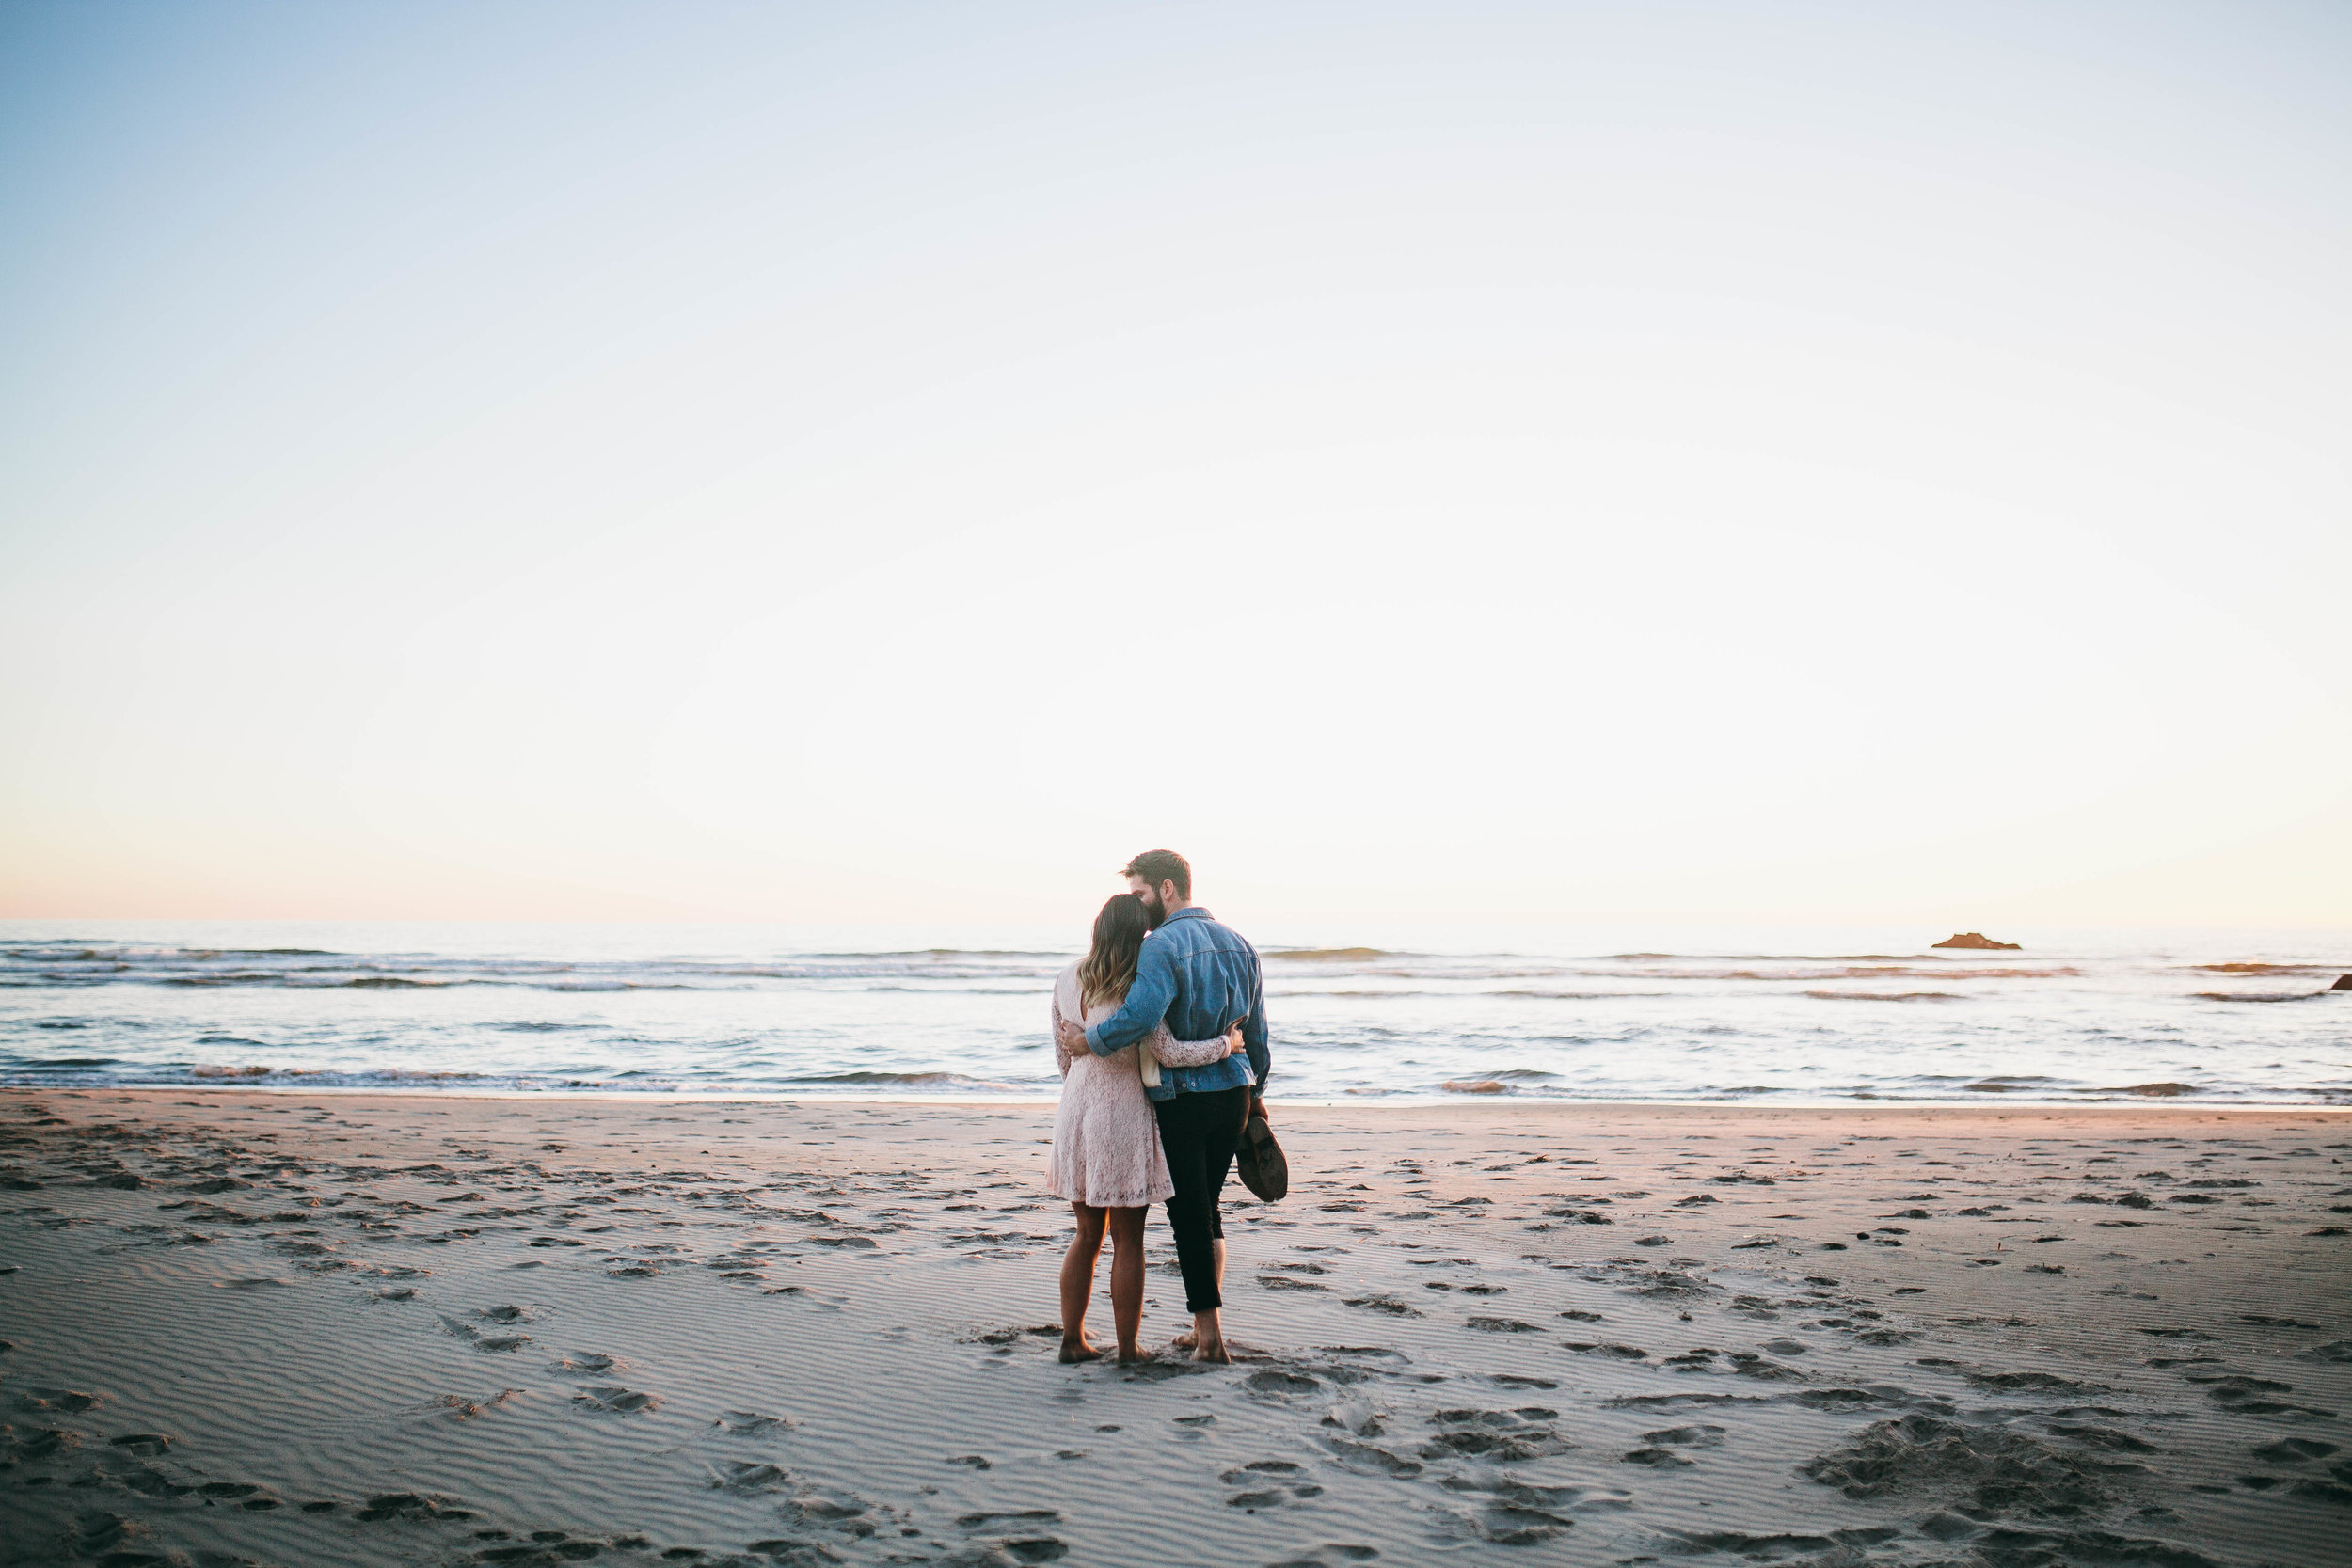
x: 1199, y: 976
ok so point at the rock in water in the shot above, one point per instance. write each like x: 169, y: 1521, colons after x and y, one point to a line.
x: 1977, y: 939
x: 2343, y: 982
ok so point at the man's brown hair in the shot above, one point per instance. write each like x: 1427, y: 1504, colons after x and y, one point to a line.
x: 1162, y: 866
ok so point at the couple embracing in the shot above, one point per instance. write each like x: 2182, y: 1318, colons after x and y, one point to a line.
x: 1160, y: 1034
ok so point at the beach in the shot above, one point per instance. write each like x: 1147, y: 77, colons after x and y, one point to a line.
x: 371, y: 1328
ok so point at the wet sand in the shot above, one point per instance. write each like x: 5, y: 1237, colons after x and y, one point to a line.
x: 376, y: 1329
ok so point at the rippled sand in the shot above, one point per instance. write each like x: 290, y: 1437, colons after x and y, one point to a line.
x: 290, y: 1330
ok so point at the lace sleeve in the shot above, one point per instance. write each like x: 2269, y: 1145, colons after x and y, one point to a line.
x: 1063, y: 1029
x: 1170, y: 1052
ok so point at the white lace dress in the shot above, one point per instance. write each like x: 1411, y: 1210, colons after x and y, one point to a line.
x: 1106, y: 1143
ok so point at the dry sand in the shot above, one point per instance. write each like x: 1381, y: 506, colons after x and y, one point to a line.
x: 314, y: 1330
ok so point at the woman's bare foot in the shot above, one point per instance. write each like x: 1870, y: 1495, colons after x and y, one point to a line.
x: 1130, y: 1355
x: 1078, y: 1350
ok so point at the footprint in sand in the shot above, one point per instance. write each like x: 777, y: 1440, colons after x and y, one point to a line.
x: 1026, y: 1516
x: 1259, y: 1470
x: 1508, y: 1524
x: 100, y: 1532
x: 745, y: 1423
x: 473, y: 1336
x: 1279, y: 1382
x: 2021, y: 1383
x: 749, y: 1476
x: 42, y: 1445
x: 1496, y: 1436
x: 1657, y: 1447
x: 1003, y: 1337
x: 1987, y: 1467
x: 1685, y: 1437
x: 2102, y: 1437
x: 63, y: 1401
x: 2294, y: 1450
x: 460, y: 1408
x: 408, y: 1505
x: 1656, y: 1459
x: 615, y: 1400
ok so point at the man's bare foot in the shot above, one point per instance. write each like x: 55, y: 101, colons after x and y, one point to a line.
x: 1182, y: 1342
x: 1078, y: 1350
x: 1212, y: 1350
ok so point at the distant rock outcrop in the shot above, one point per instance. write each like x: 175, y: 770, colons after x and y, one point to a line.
x: 2343, y: 982
x: 1978, y: 940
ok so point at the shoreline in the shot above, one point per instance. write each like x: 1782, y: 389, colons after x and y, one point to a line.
x: 379, y: 1328
x: 2157, y: 1105
x: 1744, y: 1016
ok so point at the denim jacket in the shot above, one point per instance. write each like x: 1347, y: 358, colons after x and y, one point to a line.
x: 1199, y: 976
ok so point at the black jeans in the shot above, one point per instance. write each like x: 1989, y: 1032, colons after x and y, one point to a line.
x: 1198, y: 1132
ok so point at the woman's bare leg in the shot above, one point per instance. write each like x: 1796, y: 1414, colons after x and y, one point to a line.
x: 1078, y: 1282
x: 1126, y: 1231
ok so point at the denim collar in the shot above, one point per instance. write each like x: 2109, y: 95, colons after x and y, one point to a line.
x: 1190, y: 911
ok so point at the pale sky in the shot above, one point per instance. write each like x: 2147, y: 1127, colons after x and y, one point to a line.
x: 870, y: 462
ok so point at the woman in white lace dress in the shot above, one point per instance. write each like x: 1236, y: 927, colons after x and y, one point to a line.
x: 1106, y: 1159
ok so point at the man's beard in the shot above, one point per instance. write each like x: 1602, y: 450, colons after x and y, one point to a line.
x: 1153, y: 910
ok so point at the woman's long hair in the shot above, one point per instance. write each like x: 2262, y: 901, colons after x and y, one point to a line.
x: 1109, y: 966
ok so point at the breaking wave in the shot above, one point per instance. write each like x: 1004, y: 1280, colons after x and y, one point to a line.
x: 2259, y: 995
x: 1334, y: 955
x: 1887, y: 995
x: 911, y: 1081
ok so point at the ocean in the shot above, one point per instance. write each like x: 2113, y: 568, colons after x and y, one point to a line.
x: 1630, y: 1011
